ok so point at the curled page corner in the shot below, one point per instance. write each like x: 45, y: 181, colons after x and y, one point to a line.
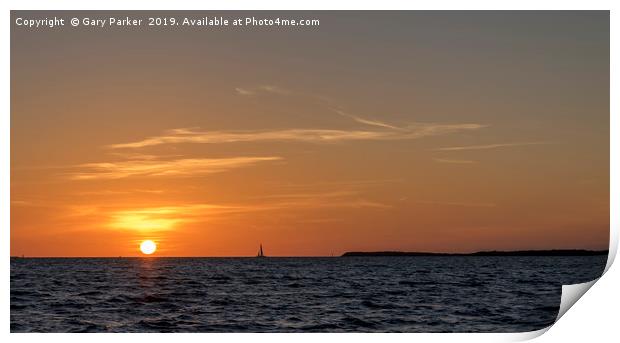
x: 526, y: 336
x: 572, y: 293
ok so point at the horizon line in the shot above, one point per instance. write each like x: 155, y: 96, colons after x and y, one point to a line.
x: 429, y: 253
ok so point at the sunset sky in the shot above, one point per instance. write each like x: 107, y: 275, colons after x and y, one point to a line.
x: 417, y: 131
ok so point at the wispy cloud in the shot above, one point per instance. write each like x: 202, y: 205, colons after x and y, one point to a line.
x: 343, y: 198
x: 155, y: 167
x: 275, y: 90
x: 414, y: 131
x: 105, y: 192
x: 348, y: 184
x: 243, y: 91
x: 451, y: 203
x: 310, y: 195
x: 322, y: 98
x: 263, y: 89
x: 367, y: 121
x: 447, y: 160
x: 488, y: 146
x: 332, y: 106
x: 309, y: 200
x: 165, y: 218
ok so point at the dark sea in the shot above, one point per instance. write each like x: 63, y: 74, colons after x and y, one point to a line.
x: 338, y: 294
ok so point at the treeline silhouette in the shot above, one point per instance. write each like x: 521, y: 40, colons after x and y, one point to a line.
x: 559, y: 252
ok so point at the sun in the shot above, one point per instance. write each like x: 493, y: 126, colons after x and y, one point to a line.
x: 148, y: 247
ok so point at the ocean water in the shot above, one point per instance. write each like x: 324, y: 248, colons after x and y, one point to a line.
x: 354, y: 294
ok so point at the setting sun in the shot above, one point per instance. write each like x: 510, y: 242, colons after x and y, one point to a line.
x: 148, y: 247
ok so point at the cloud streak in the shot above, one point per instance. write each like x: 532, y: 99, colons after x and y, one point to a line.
x: 414, y: 131
x: 453, y: 161
x: 165, y: 218
x: 488, y: 146
x: 465, y: 204
x: 155, y: 167
x: 367, y: 121
x: 322, y: 98
x: 381, y: 131
x: 262, y: 89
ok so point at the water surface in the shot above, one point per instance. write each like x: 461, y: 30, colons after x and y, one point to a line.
x: 356, y: 294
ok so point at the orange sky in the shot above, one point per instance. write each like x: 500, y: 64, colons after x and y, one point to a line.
x: 421, y: 132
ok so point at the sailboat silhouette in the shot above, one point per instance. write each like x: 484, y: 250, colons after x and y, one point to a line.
x: 260, y: 252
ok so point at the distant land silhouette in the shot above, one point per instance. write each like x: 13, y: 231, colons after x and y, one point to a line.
x: 566, y: 252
